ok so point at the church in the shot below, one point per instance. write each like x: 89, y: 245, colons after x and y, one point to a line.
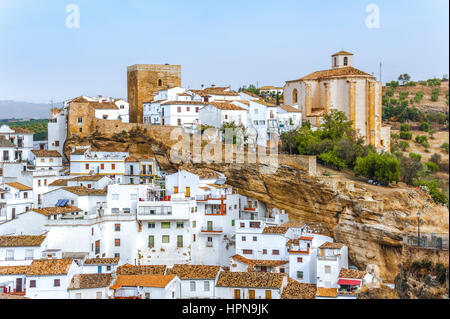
x: 343, y: 88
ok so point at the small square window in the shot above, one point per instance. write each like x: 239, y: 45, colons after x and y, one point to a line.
x: 117, y: 242
x: 56, y: 283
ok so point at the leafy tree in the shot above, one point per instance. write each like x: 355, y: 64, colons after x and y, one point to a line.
x: 445, y: 147
x: 435, y: 95
x: 404, y: 145
x: 403, y: 95
x: 433, y: 188
x: 381, y: 167
x: 422, y: 140
x: 335, y: 125
x: 405, y: 135
x: 404, y: 78
x: 404, y: 128
x: 393, y: 84
x: 432, y: 167
x: 418, y: 97
x: 331, y: 158
x: 410, y: 168
x: 390, y: 92
x: 425, y: 126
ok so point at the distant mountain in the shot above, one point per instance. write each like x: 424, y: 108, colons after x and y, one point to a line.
x: 16, y: 109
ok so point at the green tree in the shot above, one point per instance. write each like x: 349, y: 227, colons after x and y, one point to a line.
x: 404, y: 78
x: 384, y: 168
x: 335, y: 125
x: 425, y: 126
x: 445, y: 147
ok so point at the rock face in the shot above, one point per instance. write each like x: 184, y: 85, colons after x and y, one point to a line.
x: 371, y: 225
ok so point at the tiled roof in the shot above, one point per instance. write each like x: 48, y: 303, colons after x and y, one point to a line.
x: 289, y: 109
x: 43, y: 267
x: 58, y: 182
x: 330, y: 245
x: 90, y: 178
x: 251, y: 94
x: 19, y: 186
x: 194, y: 271
x: 21, y: 241
x: 21, y: 130
x: 11, y: 296
x: 84, y: 191
x: 226, y: 106
x: 183, y: 103
x: 102, y: 261
x: 339, y: 72
x: 48, y: 211
x: 46, y: 153
x: 13, y: 270
x: 141, y: 270
x: 342, y: 53
x: 259, y: 262
x: 86, y: 281
x: 5, y: 142
x: 103, y: 105
x: 326, y: 292
x: 275, y: 230
x: 243, y: 102
x: 352, y: 273
x: 250, y: 279
x: 262, y: 102
x: 158, y: 281
x: 297, y: 290
x: 220, y: 91
x: 269, y: 87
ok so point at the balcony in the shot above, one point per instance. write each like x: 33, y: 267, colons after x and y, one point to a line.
x: 212, y: 230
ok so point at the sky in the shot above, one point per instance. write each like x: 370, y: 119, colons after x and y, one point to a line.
x: 234, y: 42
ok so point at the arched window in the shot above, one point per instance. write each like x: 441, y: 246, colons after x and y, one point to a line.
x: 159, y: 82
x: 345, y: 61
x: 295, y: 96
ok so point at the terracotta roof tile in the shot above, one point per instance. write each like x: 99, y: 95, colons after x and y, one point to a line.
x: 86, y: 281
x: 297, y: 290
x: 44, y: 267
x: 342, y: 53
x: 79, y: 151
x: 141, y: 270
x: 275, y: 230
x: 326, y: 292
x: 19, y: 186
x: 184, y: 103
x: 84, y: 191
x: 21, y: 241
x: 158, y: 281
x: 293, y: 224
x: 289, y: 109
x: 46, y: 153
x: 13, y: 270
x: 90, y: 178
x: 250, y: 279
x: 259, y: 262
x: 194, y: 271
x: 102, y: 261
x: 226, y: 106
x: 103, y: 105
x: 339, y: 72
x: 49, y: 211
x: 58, y: 182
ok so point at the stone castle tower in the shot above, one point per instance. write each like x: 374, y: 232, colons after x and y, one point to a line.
x: 144, y: 80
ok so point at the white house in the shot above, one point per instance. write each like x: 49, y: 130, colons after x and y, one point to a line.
x: 289, y: 118
x: 50, y: 278
x: 217, y: 113
x: 22, y: 140
x: 15, y: 198
x: 146, y: 287
x: 196, y: 281
x: 90, y: 286
x: 250, y: 285
x: 100, y: 265
x: 332, y: 258
x: 21, y: 249
x: 13, y: 279
x: 180, y: 113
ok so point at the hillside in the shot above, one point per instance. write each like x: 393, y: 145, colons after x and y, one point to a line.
x: 18, y: 109
x: 370, y: 222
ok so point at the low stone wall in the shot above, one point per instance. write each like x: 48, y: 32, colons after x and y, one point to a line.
x: 303, y: 162
x: 410, y: 254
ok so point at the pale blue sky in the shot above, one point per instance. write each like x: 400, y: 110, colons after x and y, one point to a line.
x: 222, y: 42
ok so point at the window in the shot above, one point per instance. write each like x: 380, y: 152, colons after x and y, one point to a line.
x: 32, y: 283
x: 126, y: 210
x: 179, y: 109
x: 206, y: 286
x: 56, y: 283
x: 328, y: 269
x: 108, y: 268
x: 45, y: 182
x: 242, y: 225
x: 86, y: 166
x: 255, y: 238
x: 147, y: 295
x: 165, y: 225
x: 25, y: 195
x: 299, y: 274
x: 116, y: 255
x: 264, y: 251
x: 97, y: 247
x: 192, y: 285
x: 56, y: 143
x: 113, y: 166
x: 117, y: 227
x: 247, y: 251
x: 196, y: 110
x: 10, y: 254
x: 232, y: 222
x: 151, y: 225
x: 102, y: 166
x: 188, y: 109
x: 159, y: 82
x: 226, y: 117
x: 255, y: 225
x: 295, y: 96
x: 115, y: 210
x: 99, y: 295
x: 345, y: 61
x: 299, y: 259
x: 80, y: 120
x: 117, y: 242
x: 179, y: 122
x: 275, y: 252
x: 29, y: 254
x: 151, y: 241
x: 244, y: 238
x: 180, y: 225
x: 39, y: 182
x: 165, y: 239
x: 179, y: 241
x: 194, y: 224
x: 81, y: 130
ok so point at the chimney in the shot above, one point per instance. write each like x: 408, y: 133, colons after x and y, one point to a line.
x: 100, y: 98
x: 213, y: 85
x: 203, y: 86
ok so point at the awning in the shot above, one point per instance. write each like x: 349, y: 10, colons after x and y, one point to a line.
x: 115, y: 287
x: 349, y: 282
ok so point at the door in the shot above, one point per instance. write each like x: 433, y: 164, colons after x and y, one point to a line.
x: 237, y: 294
x: 268, y: 294
x: 188, y: 192
x: 99, y: 269
x: 19, y: 284
x: 175, y: 190
x: 210, y: 226
x: 251, y: 294
x: 13, y: 213
x: 179, y: 241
